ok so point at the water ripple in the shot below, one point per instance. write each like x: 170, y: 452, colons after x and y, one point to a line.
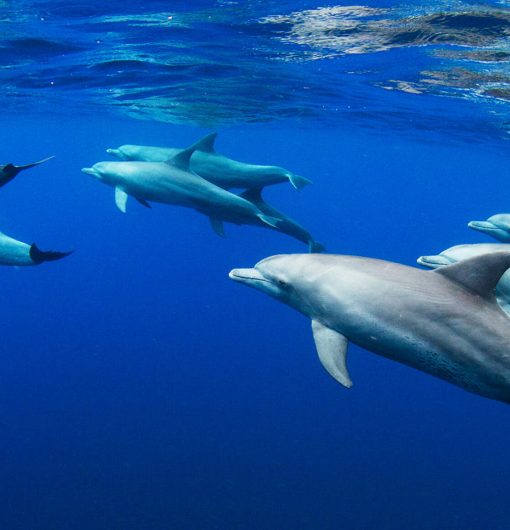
x: 218, y: 62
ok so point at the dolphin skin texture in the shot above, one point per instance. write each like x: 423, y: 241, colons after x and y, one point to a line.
x: 172, y: 182
x: 218, y: 169
x: 9, y: 171
x: 460, y: 252
x: 496, y: 226
x: 17, y: 253
x: 444, y: 322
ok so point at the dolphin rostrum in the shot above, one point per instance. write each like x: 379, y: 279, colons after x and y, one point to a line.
x: 461, y: 252
x: 9, y: 171
x: 284, y: 224
x: 172, y: 182
x: 444, y: 322
x: 215, y: 168
x: 14, y: 252
x: 496, y: 226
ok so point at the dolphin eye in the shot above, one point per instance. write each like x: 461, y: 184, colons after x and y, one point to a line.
x: 282, y: 283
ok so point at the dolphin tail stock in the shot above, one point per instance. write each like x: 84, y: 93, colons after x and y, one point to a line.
x: 297, y: 180
x: 314, y: 247
x: 254, y: 195
x: 33, y: 164
x: 40, y: 256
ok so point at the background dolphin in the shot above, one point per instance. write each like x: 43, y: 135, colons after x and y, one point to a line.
x: 14, y: 252
x: 460, y: 252
x: 9, y: 171
x: 284, y: 224
x: 215, y: 168
x: 496, y: 226
x: 172, y: 182
x: 444, y: 322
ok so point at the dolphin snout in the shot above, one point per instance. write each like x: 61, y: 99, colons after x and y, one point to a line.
x: 434, y: 262
x: 116, y: 152
x: 247, y: 276
x: 482, y: 225
x: 90, y: 171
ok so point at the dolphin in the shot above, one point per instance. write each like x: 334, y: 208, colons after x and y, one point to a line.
x: 218, y: 169
x: 172, y: 182
x: 444, y: 322
x: 9, y: 171
x: 496, y: 226
x: 14, y: 252
x: 284, y: 224
x: 460, y: 252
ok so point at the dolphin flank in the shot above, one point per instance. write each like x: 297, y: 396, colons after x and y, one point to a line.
x: 444, y: 322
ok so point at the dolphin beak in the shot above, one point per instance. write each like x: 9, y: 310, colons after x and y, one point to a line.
x: 248, y: 276
x: 434, y: 262
x: 90, y: 171
x: 117, y: 153
x: 482, y: 225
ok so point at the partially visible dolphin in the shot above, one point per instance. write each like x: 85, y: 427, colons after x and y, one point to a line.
x: 496, y: 226
x: 14, y: 252
x: 284, y: 223
x: 172, y: 182
x: 444, y: 322
x: 215, y: 168
x: 461, y: 252
x: 9, y: 171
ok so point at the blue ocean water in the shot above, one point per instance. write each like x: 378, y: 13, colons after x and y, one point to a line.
x: 140, y: 388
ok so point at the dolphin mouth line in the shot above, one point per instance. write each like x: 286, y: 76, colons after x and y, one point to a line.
x: 480, y: 224
x: 234, y: 276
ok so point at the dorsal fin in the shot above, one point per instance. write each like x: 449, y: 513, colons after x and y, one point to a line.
x: 479, y: 274
x: 206, y: 143
x: 181, y: 159
x: 253, y: 195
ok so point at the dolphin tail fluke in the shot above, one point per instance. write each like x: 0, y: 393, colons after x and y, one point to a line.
x: 40, y: 256
x: 298, y: 181
x: 271, y: 221
x: 33, y: 164
x: 314, y: 247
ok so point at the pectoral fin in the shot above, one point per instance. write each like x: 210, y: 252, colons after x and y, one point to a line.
x: 332, y: 350
x: 217, y: 226
x: 121, y: 199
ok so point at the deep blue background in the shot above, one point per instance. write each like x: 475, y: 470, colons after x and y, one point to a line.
x: 141, y: 389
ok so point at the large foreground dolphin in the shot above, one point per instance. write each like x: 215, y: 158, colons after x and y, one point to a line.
x: 461, y: 252
x: 496, y: 226
x: 445, y: 322
x: 9, y: 171
x: 172, y: 182
x: 215, y: 168
x: 14, y: 252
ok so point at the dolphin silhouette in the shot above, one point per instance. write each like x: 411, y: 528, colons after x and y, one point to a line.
x: 215, y: 168
x: 172, y: 182
x: 444, y: 322
x: 9, y: 171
